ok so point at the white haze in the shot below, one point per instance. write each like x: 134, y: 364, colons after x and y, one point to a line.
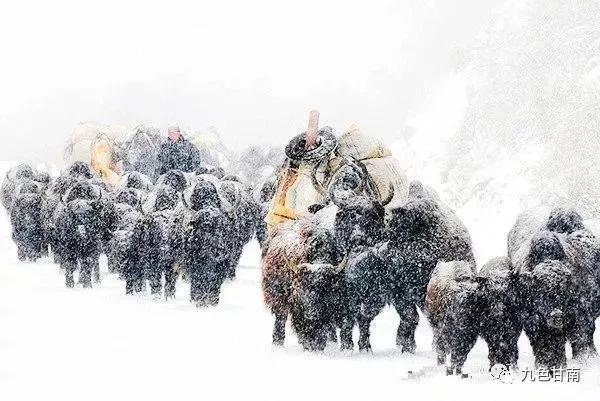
x: 252, y: 69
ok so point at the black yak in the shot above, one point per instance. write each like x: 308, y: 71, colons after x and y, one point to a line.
x: 421, y: 233
x: 451, y: 306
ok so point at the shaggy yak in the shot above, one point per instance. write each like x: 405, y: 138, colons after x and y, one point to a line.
x: 500, y: 310
x: 158, y: 241
x: 205, y: 226
x: 26, y: 219
x: 421, y: 233
x: 451, y: 307
x: 80, y: 227
x: 359, y: 229
x: 52, y: 198
x: 122, y: 246
x: 243, y: 220
x: 11, y: 181
x: 557, y: 261
x: 300, y: 277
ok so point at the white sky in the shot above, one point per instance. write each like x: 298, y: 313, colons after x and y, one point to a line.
x: 251, y: 68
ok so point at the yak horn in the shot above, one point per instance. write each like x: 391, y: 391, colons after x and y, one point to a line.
x: 389, y: 197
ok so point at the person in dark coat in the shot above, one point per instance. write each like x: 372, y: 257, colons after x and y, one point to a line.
x: 177, y: 153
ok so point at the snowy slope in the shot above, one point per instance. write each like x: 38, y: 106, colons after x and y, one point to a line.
x: 59, y: 344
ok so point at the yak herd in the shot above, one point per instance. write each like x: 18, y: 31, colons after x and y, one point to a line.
x: 330, y: 270
x: 190, y: 225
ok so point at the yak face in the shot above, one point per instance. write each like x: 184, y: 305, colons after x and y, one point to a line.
x: 166, y: 199
x: 80, y: 169
x: 128, y: 196
x: 60, y: 185
x: 84, y: 216
x: 565, y: 221
x: 359, y: 222
x: 545, y: 246
x: 416, y: 217
x: 175, y: 179
x: 547, y: 292
x: 321, y: 247
x: 26, y: 210
x: 27, y: 186
x: 203, y: 194
x: 312, y: 289
x: 22, y: 171
x: 137, y: 180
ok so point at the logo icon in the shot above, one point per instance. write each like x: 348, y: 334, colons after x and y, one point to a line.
x: 502, y: 373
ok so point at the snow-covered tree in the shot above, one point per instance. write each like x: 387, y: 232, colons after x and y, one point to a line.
x: 533, y: 114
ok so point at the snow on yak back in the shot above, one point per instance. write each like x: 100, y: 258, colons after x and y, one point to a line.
x: 557, y: 261
x: 451, y: 306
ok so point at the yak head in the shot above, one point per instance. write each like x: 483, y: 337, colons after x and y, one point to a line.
x: 137, y: 180
x: 313, y: 287
x: 564, y: 220
x: 175, y: 179
x: 83, y: 201
x: 128, y: 196
x: 166, y: 198
x: 80, y: 169
x: 420, y: 214
x: 359, y: 220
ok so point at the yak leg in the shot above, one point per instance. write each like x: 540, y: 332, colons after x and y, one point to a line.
x: 199, y: 283
x: 170, y: 281
x: 409, y: 319
x: 69, y: 266
x: 346, y: 342
x: 216, y: 277
x: 279, y: 328
x: 364, y: 326
x: 440, y: 346
x: 85, y: 272
x: 21, y: 252
x: 582, y: 337
x: 96, y: 267
x: 462, y: 342
x: 155, y: 278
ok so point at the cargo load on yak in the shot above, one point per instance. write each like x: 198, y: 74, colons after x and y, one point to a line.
x: 315, y: 156
x: 212, y: 149
x: 111, y: 150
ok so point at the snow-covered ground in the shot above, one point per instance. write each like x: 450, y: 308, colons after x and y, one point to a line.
x: 99, y: 344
